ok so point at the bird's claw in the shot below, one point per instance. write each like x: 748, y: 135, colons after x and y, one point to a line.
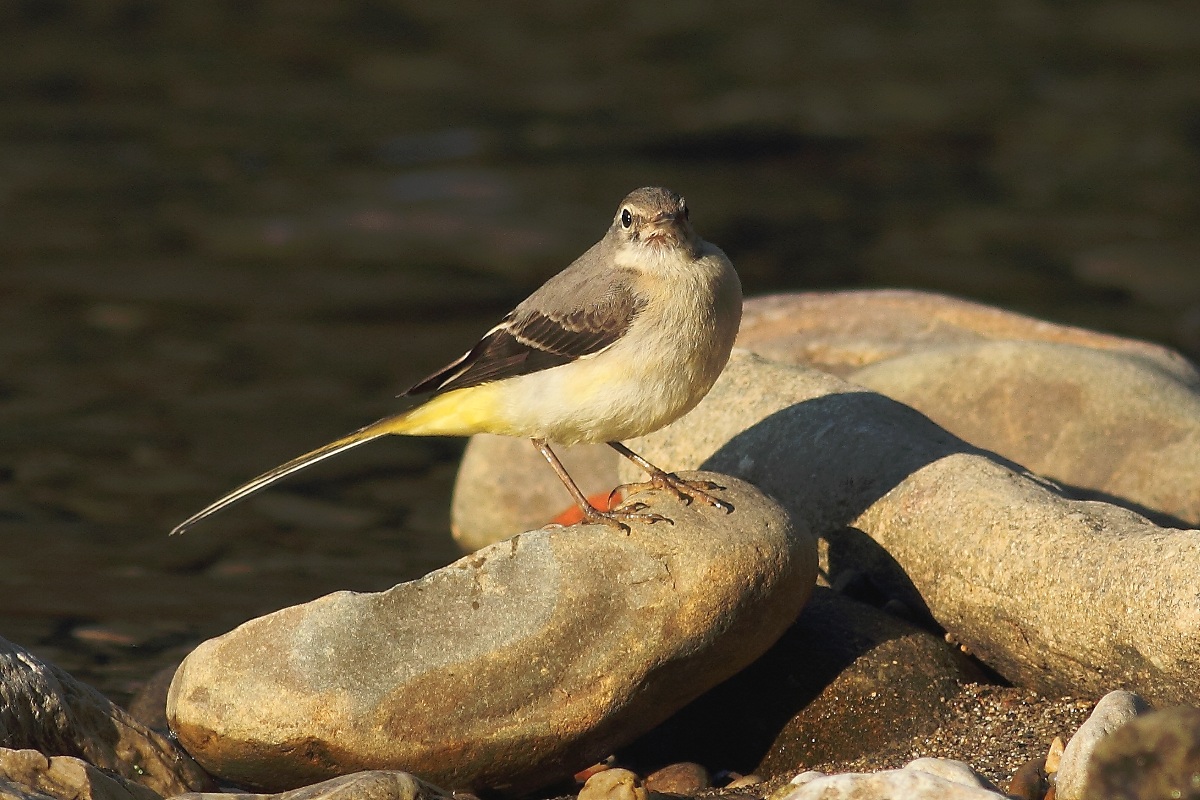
x: 683, y: 490
x: 617, y: 518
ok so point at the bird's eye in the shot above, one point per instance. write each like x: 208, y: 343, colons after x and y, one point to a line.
x: 687, y: 214
x: 626, y: 218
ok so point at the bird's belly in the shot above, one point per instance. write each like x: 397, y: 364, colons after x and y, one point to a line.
x: 602, y: 399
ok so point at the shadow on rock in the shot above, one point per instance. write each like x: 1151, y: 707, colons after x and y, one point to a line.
x: 845, y: 680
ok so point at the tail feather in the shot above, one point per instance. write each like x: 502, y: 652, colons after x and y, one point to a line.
x: 373, y: 431
x: 458, y: 413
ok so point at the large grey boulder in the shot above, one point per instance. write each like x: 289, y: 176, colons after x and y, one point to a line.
x: 1117, y: 425
x: 510, y: 668
x: 841, y: 332
x: 1059, y: 595
x: 1113, y: 418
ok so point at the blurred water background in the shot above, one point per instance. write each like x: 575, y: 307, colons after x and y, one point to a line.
x: 232, y: 230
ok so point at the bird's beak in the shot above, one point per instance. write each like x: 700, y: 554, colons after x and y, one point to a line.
x: 666, y: 226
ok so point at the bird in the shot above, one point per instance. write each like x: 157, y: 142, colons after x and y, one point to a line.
x: 625, y: 340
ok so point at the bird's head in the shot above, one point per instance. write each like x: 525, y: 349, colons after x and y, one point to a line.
x: 654, y: 217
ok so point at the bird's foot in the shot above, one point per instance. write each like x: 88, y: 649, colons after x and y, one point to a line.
x: 685, y: 491
x: 616, y: 518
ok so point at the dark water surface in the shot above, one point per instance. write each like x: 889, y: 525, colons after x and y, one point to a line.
x: 230, y: 231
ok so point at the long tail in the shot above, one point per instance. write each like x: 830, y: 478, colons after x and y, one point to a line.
x: 458, y: 413
x: 373, y: 431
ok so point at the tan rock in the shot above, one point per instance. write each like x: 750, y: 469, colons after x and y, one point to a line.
x: 30, y: 775
x: 507, y: 670
x: 613, y: 784
x: 1115, y: 425
x: 1054, y: 754
x: 1029, y: 782
x: 1058, y: 595
x: 840, y: 332
x: 684, y: 777
x: 47, y: 710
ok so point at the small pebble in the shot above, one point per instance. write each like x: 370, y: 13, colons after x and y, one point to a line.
x: 744, y: 781
x: 613, y: 784
x: 1029, y: 781
x: 1054, y: 754
x: 686, y: 777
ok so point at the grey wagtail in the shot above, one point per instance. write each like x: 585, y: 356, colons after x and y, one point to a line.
x: 624, y: 341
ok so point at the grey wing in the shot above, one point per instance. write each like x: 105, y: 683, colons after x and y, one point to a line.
x: 568, y: 318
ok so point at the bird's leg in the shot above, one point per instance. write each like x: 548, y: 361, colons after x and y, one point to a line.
x: 686, y: 491
x: 591, y: 514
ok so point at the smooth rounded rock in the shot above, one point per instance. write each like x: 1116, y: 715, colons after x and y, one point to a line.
x: 30, y: 775
x: 1117, y: 426
x: 1059, y: 595
x: 841, y: 332
x: 1152, y: 756
x: 613, y: 784
x: 1054, y: 754
x: 743, y: 781
x: 906, y: 783
x: 801, y: 779
x: 1114, y: 710
x: 684, y: 777
x: 509, y: 669
x: 1029, y: 782
x: 149, y: 705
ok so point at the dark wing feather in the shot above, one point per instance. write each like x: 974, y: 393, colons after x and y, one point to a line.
x: 531, y: 339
